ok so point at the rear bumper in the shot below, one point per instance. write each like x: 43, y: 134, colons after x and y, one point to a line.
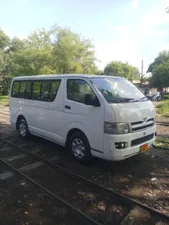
x: 112, y: 153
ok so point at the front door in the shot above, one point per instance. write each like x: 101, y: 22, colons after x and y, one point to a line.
x: 89, y: 119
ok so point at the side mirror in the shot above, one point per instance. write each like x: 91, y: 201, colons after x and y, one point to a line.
x: 92, y: 100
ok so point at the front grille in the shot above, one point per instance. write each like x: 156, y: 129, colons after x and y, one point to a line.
x: 141, y: 140
x: 141, y: 125
x: 137, y: 123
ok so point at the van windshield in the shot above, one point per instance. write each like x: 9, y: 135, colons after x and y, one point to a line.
x: 116, y: 90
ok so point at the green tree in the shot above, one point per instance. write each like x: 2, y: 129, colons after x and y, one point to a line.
x: 4, y: 45
x: 5, y: 85
x: 117, y: 68
x: 17, y: 44
x: 50, y: 52
x: 33, y: 55
x: 160, y: 59
x: 160, y: 75
x: 99, y: 72
x: 4, y: 40
x: 159, y: 70
x: 4, y: 61
x: 72, y: 53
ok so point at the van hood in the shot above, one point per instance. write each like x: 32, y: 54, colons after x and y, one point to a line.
x: 133, y: 111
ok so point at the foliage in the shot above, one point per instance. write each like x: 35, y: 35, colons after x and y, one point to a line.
x: 160, y: 59
x: 4, y: 99
x: 5, y: 84
x: 73, y: 53
x: 163, y: 108
x: 4, y: 61
x: 53, y: 52
x: 17, y: 44
x: 99, y: 72
x: 117, y: 68
x: 160, y: 70
x: 160, y: 75
x: 4, y: 40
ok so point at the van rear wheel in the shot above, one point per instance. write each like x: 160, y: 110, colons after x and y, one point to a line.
x: 23, y: 129
x: 80, y: 148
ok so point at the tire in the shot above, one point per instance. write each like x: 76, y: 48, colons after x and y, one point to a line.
x: 23, y: 129
x: 80, y: 148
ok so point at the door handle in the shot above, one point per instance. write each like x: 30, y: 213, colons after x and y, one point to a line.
x: 67, y: 107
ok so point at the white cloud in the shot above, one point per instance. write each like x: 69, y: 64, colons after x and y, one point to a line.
x: 13, y: 31
x: 135, y: 4
x: 124, y: 49
x: 160, y: 33
x: 128, y: 45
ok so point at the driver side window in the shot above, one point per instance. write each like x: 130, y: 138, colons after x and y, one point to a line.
x: 77, y: 90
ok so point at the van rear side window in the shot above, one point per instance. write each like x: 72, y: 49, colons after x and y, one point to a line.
x: 36, y: 90
x: 22, y: 88
x: 44, y: 90
x: 28, y: 91
x: 54, y: 89
x: 15, y: 89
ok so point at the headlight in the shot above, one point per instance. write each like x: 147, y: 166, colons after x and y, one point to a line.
x: 116, y: 128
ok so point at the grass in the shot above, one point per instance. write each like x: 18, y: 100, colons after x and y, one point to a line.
x: 163, y: 107
x: 4, y: 99
x: 162, y: 143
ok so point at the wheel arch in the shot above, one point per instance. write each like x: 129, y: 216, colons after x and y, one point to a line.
x: 76, y: 127
x: 18, y: 119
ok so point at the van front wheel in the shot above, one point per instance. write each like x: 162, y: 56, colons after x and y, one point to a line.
x: 80, y: 148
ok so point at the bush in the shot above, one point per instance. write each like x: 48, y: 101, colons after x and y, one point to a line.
x: 163, y: 108
x: 5, y: 85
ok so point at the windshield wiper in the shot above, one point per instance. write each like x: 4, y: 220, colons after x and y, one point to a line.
x: 128, y: 99
x: 143, y: 98
x: 121, y: 100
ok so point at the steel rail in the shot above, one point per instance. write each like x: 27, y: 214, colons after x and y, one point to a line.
x: 120, y: 197
x: 50, y: 194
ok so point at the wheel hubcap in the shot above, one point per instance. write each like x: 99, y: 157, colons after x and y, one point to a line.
x: 78, y: 148
x: 22, y: 129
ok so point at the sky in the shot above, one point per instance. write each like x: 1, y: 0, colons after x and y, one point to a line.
x: 124, y: 30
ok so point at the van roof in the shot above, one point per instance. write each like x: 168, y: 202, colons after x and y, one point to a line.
x: 52, y: 76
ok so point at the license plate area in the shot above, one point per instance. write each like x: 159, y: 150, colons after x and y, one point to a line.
x: 144, y: 148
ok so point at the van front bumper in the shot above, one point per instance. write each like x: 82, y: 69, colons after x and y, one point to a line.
x: 133, y: 142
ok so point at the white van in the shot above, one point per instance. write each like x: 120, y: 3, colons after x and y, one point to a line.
x: 100, y: 116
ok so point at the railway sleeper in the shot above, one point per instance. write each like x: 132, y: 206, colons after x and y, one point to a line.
x: 139, y: 216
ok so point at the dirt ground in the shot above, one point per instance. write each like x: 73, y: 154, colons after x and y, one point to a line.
x: 144, y: 177
x: 21, y: 204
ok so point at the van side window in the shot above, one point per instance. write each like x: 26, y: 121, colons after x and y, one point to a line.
x: 28, y: 91
x: 45, y: 88
x: 15, y: 89
x: 77, y: 89
x: 22, y: 88
x: 36, y: 90
x: 54, y: 89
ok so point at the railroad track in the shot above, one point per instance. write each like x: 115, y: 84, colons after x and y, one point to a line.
x: 162, y: 123
x: 124, y: 206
